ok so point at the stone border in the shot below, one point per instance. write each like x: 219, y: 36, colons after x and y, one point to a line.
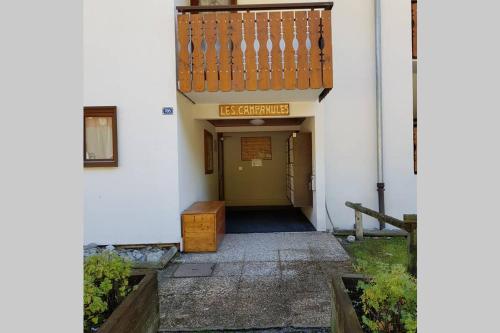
x: 159, y: 264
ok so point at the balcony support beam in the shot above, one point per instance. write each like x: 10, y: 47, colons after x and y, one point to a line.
x: 323, y: 94
x: 256, y: 7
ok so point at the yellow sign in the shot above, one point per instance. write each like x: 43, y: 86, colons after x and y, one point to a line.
x: 253, y: 110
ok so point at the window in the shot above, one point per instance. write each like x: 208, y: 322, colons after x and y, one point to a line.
x: 414, y: 29
x: 212, y: 2
x: 100, y: 146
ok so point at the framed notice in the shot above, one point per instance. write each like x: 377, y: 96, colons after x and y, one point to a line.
x: 256, y: 148
x: 209, y: 152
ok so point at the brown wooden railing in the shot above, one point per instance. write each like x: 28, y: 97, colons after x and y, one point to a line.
x: 221, y: 48
x: 409, y: 224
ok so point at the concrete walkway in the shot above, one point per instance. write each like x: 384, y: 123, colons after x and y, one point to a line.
x: 254, y: 281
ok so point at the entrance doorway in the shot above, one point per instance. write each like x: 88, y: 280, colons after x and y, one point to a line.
x: 265, y: 180
x: 264, y: 219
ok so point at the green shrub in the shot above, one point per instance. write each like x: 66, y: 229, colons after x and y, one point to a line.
x: 390, y: 300
x: 105, y: 285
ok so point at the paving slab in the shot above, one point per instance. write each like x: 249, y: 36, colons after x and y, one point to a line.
x: 295, y: 254
x: 258, y: 309
x: 228, y: 269
x: 261, y: 284
x: 172, y: 286
x: 261, y: 268
x: 302, y: 276
x: 276, y: 282
x: 193, y: 270
x: 268, y: 247
x: 217, y: 287
x: 310, y: 309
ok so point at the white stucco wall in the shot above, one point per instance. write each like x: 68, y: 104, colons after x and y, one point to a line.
x: 194, y: 184
x: 317, y: 213
x: 397, y: 77
x: 129, y: 62
x: 350, y: 121
x: 308, y: 127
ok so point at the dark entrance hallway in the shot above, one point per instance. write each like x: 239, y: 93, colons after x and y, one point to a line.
x: 240, y: 220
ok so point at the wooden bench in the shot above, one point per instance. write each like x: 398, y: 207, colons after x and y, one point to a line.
x: 203, y: 226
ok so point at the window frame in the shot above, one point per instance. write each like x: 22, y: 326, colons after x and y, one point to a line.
x: 197, y: 2
x: 101, y: 111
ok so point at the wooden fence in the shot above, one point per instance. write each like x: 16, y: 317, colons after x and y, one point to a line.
x: 257, y: 49
x: 409, y: 224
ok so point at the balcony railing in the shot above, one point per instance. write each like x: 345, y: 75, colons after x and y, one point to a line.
x: 254, y: 47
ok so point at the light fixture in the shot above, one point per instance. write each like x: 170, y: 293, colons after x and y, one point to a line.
x: 257, y: 122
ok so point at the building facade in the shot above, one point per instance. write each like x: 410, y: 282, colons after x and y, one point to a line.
x: 131, y: 61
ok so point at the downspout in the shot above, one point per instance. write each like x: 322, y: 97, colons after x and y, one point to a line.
x: 378, y: 76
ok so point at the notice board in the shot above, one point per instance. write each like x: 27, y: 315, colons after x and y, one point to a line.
x: 256, y: 148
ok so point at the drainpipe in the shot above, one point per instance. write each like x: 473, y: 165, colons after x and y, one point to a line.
x: 378, y: 75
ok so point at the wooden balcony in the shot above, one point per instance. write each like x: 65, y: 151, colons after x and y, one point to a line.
x: 254, y: 47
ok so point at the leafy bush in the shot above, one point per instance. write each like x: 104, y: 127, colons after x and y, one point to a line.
x: 105, y: 285
x: 390, y: 300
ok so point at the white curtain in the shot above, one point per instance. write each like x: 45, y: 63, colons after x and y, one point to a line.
x: 99, y: 137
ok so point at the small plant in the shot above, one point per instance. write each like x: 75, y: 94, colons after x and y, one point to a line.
x: 389, y: 300
x: 105, y: 285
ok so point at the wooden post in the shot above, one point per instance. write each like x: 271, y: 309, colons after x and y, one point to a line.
x: 411, y: 221
x: 358, y: 216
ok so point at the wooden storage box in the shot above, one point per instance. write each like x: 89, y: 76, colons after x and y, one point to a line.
x: 203, y: 226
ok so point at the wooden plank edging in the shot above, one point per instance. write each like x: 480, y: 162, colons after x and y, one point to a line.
x: 139, y: 311
x: 344, y: 317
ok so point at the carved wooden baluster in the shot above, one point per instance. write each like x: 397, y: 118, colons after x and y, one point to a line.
x: 250, y: 61
x: 289, y: 52
x: 210, y: 31
x: 263, y: 52
x: 183, y: 61
x: 326, y: 32
x: 224, y: 52
x: 198, y: 65
x: 276, y: 65
x: 302, y: 62
x: 315, y: 51
x: 237, y: 54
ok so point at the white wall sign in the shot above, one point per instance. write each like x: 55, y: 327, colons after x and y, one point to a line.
x: 256, y: 162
